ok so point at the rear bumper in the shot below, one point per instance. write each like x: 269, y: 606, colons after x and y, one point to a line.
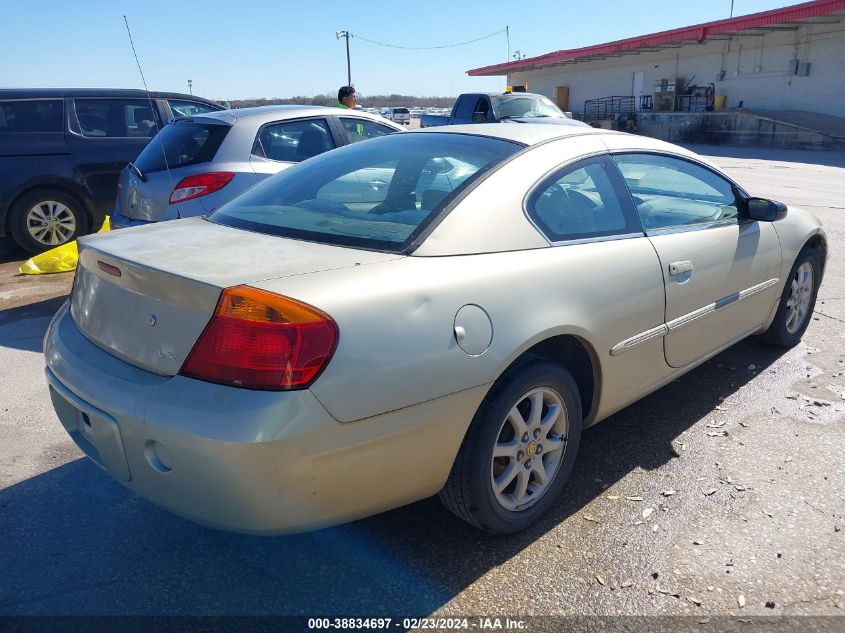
x: 249, y: 461
x: 120, y: 221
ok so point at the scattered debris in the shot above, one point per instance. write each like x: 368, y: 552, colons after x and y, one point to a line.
x: 740, y: 601
x: 647, y: 512
x: 780, y: 554
x: 775, y: 410
x: 770, y: 604
x: 668, y: 592
x: 600, y: 580
x: 717, y: 433
x: 788, y: 459
x: 638, y: 522
x: 695, y: 601
x: 614, y: 497
x: 768, y: 514
x: 791, y: 396
x: 656, y: 527
x: 668, y: 493
x: 655, y: 575
x: 717, y: 425
x: 698, y: 542
x: 739, y: 488
x: 634, y: 498
x: 628, y: 582
x: 707, y: 493
x: 590, y: 518
x: 745, y: 425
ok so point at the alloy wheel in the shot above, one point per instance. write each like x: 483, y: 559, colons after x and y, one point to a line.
x: 801, y: 294
x: 50, y: 223
x: 529, y: 449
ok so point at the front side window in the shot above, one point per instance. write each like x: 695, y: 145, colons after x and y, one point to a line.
x: 580, y: 202
x: 378, y: 195
x: 362, y: 129
x: 671, y: 192
x: 117, y: 118
x: 293, y: 141
x: 37, y: 115
x: 189, y: 108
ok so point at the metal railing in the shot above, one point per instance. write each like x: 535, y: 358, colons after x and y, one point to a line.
x: 608, y: 107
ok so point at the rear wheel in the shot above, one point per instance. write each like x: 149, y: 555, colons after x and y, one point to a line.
x: 796, y: 303
x: 46, y: 218
x: 519, y: 449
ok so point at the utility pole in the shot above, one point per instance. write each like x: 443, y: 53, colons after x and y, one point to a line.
x: 190, y: 83
x: 347, y: 35
x: 732, y: 8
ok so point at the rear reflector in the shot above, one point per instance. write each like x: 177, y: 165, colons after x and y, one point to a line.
x: 200, y: 185
x: 108, y: 268
x: 260, y: 340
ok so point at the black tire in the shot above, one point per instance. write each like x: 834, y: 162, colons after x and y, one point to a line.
x: 71, y: 220
x: 787, y: 329
x: 469, y: 493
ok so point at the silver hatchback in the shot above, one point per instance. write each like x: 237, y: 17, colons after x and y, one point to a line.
x: 195, y: 165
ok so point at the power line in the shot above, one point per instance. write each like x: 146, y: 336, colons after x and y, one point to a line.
x: 428, y: 48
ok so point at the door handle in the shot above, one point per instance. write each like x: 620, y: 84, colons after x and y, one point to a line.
x: 679, y: 268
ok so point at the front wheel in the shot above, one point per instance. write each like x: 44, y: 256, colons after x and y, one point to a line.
x: 796, y: 303
x: 519, y: 450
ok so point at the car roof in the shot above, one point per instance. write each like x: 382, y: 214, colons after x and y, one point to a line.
x: 60, y: 93
x: 537, y: 133
x: 528, y: 134
x: 265, y: 114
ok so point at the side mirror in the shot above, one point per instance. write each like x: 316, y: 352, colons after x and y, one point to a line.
x: 764, y: 210
x: 479, y: 117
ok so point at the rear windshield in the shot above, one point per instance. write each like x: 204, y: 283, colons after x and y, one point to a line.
x: 181, y: 144
x: 378, y: 195
x: 401, y: 110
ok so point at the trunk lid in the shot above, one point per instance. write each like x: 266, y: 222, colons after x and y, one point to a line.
x: 145, y: 294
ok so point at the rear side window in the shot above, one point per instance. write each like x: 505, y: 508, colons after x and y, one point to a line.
x: 579, y: 202
x: 189, y: 108
x: 117, y: 118
x: 293, y: 141
x: 39, y: 115
x: 181, y: 144
x: 361, y: 129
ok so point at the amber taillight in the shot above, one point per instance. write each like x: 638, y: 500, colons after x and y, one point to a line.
x: 260, y: 340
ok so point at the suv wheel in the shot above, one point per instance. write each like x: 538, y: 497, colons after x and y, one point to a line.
x: 46, y: 218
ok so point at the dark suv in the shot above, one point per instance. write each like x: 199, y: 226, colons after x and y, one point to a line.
x: 62, y: 150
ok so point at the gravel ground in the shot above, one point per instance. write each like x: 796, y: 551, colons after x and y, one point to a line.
x: 719, y: 495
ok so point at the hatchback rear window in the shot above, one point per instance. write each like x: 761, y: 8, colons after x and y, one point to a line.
x: 38, y: 115
x: 378, y: 195
x: 181, y: 144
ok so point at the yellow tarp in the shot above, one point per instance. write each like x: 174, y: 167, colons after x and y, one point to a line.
x: 57, y: 260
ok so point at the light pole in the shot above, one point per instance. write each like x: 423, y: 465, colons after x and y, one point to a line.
x: 517, y: 55
x: 190, y: 83
x: 347, y: 35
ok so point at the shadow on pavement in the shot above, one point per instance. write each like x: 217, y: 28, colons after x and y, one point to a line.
x: 10, y: 251
x: 809, y: 157
x: 76, y: 542
x: 24, y: 327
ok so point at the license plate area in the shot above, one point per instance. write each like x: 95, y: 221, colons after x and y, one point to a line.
x: 95, y: 432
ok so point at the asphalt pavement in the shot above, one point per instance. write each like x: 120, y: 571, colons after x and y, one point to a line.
x: 721, y: 494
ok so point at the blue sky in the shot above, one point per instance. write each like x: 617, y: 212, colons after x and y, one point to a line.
x: 264, y: 48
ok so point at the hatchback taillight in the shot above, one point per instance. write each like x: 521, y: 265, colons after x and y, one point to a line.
x: 200, y: 185
x: 260, y: 340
